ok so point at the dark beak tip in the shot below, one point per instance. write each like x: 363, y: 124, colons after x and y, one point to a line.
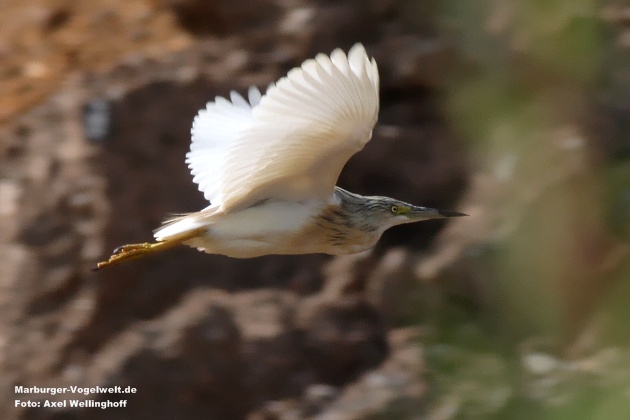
x: 448, y: 213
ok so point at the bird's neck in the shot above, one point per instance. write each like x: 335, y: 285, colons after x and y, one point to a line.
x: 351, y: 208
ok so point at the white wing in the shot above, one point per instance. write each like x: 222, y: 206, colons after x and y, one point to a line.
x: 214, y: 129
x: 293, y: 144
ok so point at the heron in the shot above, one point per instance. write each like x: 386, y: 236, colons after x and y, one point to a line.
x: 269, y: 164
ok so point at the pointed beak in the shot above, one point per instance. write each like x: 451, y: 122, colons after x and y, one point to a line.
x: 417, y: 213
x: 448, y: 213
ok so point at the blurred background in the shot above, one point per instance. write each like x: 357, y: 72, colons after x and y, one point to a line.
x: 515, y: 112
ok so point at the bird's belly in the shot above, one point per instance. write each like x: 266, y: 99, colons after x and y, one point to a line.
x: 282, y: 227
x: 276, y: 217
x: 269, y: 228
x: 279, y: 243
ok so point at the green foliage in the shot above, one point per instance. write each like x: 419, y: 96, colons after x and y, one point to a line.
x: 549, y: 338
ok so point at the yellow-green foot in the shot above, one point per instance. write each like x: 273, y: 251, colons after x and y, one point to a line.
x: 133, y: 251
x: 128, y: 252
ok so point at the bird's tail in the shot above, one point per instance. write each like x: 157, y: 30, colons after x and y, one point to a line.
x: 180, y: 224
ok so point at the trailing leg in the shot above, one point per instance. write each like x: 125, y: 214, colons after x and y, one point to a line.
x: 132, y: 251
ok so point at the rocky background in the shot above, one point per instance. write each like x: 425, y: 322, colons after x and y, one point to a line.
x: 506, y: 311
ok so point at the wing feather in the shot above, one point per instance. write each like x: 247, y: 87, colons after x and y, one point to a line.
x: 214, y: 129
x: 291, y: 143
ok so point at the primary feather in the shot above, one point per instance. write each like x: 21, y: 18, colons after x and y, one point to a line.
x: 214, y: 129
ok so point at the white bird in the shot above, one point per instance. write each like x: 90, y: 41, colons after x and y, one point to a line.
x: 269, y: 165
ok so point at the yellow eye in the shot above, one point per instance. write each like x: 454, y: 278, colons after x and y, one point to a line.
x: 394, y: 209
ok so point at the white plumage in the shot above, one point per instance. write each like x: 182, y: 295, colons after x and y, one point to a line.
x: 289, y: 144
x: 299, y: 135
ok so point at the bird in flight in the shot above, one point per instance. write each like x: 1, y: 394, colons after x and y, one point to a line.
x: 268, y: 165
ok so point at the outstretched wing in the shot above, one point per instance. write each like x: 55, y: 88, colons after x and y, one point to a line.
x: 294, y: 142
x: 214, y: 131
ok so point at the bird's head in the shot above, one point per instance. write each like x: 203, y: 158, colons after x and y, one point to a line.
x: 387, y: 212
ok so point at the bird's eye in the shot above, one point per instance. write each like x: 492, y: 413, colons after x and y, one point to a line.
x: 394, y: 209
